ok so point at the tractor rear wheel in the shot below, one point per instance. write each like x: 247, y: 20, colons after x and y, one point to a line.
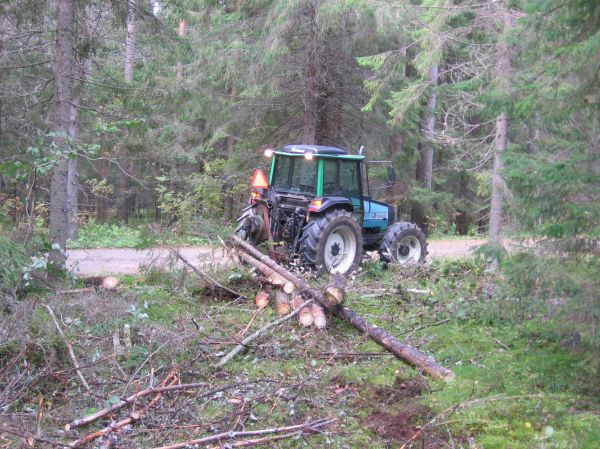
x: 403, y: 243
x: 332, y: 242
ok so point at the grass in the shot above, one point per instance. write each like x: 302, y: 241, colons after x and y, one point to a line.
x: 515, y: 386
x: 140, y: 236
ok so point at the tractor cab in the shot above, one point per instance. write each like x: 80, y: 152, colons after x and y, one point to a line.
x: 316, y: 204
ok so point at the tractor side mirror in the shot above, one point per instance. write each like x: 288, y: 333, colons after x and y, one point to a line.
x: 391, y: 171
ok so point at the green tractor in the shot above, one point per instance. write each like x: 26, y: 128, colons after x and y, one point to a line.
x: 314, y: 206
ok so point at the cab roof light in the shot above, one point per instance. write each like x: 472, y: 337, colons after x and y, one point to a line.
x: 309, y: 156
x: 268, y: 152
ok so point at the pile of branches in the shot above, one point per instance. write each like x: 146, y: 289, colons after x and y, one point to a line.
x: 312, y: 306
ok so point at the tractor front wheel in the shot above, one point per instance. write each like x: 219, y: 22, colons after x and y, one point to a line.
x: 403, y: 243
x: 332, y: 242
x: 250, y: 226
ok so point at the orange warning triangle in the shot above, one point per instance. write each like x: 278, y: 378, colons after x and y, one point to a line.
x: 259, y: 180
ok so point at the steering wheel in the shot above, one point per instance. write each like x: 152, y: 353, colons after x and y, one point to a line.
x: 329, y: 186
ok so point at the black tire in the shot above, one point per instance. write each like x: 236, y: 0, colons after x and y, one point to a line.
x: 403, y: 243
x: 246, y: 229
x: 336, y: 228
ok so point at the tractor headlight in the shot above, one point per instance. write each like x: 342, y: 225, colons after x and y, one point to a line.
x: 308, y: 156
x: 268, y: 152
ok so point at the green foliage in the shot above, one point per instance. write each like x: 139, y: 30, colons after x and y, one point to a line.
x: 104, y: 235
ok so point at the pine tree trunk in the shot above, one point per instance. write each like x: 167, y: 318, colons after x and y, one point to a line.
x: 425, y: 164
x: 130, y: 39
x: 424, y: 172
x: 63, y: 67
x: 74, y: 134
x: 312, y: 76
x: 498, y: 185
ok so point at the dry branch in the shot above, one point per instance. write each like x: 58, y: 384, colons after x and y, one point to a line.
x: 405, y: 352
x: 306, y: 427
x: 132, y: 418
x: 202, y: 274
x: 257, y: 334
x: 129, y: 400
x: 69, y: 347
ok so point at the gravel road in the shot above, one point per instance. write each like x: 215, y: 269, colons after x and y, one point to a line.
x: 128, y: 261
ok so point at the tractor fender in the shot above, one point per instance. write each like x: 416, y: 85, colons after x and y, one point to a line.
x: 330, y: 202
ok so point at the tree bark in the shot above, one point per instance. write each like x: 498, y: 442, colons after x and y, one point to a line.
x: 130, y: 38
x: 63, y: 67
x: 75, y: 134
x: 425, y: 164
x: 312, y: 76
x: 501, y: 141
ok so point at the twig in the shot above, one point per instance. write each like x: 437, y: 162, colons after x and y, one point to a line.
x: 299, y: 428
x: 257, y: 441
x: 69, y: 347
x: 201, y: 273
x: 425, y: 326
x: 254, y: 315
x: 258, y: 333
x: 133, y: 417
x: 107, y: 411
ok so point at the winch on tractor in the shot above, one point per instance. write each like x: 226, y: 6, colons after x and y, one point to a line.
x: 313, y: 205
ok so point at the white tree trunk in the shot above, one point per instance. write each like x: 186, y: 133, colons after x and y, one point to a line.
x: 130, y: 39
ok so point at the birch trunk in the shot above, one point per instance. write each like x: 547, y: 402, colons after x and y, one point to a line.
x: 130, y: 39
x: 63, y: 67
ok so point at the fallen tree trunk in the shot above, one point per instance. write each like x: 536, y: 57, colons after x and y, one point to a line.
x: 273, y: 276
x: 407, y: 353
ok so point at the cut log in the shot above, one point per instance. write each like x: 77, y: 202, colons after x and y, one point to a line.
x: 289, y: 287
x: 334, y: 291
x: 305, y: 316
x: 104, y: 282
x: 282, y: 303
x: 407, y: 353
x: 262, y: 299
x: 318, y: 314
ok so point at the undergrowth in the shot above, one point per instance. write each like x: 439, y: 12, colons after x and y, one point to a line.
x: 518, y: 383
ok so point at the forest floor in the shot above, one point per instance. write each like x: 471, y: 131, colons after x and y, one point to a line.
x: 514, y: 387
x: 131, y: 261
